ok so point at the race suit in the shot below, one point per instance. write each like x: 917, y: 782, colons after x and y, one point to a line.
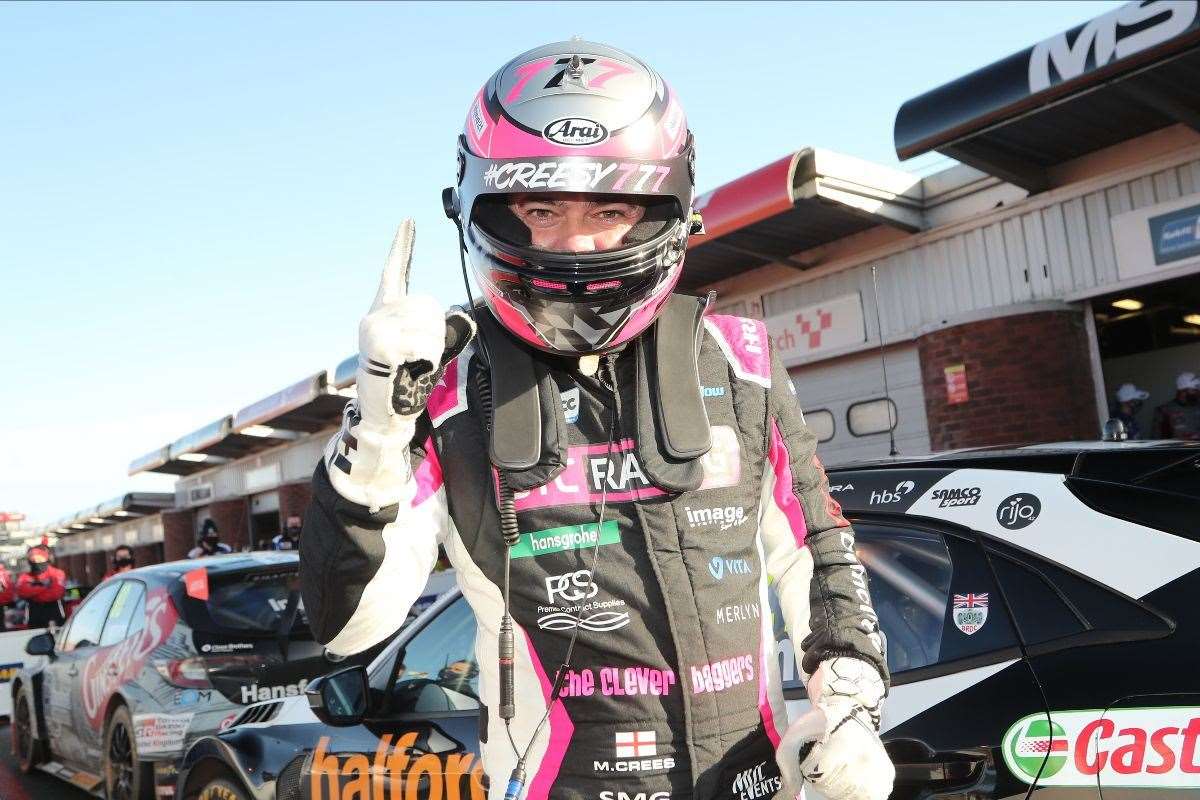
x: 674, y: 685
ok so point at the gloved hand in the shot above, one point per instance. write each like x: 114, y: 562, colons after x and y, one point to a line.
x: 835, y: 747
x: 404, y: 345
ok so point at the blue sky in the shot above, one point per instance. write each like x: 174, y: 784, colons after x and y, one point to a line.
x: 195, y: 199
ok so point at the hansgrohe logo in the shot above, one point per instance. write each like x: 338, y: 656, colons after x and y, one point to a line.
x: 568, y: 537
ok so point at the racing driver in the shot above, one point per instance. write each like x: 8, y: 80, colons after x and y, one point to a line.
x: 616, y: 474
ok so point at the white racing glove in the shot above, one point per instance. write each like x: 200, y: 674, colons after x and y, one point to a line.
x: 404, y: 345
x: 835, y: 747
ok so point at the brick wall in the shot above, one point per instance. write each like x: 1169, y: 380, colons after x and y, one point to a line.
x: 293, y: 500
x: 1028, y: 376
x: 233, y: 521
x: 179, y: 534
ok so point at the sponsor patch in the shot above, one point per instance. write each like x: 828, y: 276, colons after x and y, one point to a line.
x: 712, y: 391
x: 720, y: 567
x: 478, y: 121
x: 970, y: 612
x: 568, y: 537
x: 619, y: 682
x: 636, y: 744
x: 757, y: 782
x: 739, y: 612
x: 1135, y: 747
x: 722, y: 674
x: 160, y: 733
x: 585, y: 613
x: 9, y: 671
x: 570, y: 405
x: 1018, y: 511
x: 720, y: 517
x: 228, y: 647
x: 968, y: 496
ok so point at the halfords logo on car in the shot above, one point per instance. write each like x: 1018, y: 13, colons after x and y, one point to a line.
x: 253, y: 693
x: 1136, y: 747
x: 575, y: 132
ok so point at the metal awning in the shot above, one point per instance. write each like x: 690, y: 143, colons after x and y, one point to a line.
x: 809, y: 198
x: 306, y: 406
x: 114, y: 510
x: 1123, y: 74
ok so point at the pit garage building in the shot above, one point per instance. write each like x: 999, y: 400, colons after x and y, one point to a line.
x: 1016, y: 290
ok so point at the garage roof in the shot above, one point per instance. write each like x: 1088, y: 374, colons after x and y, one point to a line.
x: 1123, y: 74
x: 117, y: 509
x: 304, y: 407
x: 808, y: 198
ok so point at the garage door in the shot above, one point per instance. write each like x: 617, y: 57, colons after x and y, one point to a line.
x: 843, y: 402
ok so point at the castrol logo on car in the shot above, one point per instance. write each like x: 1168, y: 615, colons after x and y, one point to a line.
x: 1139, y: 747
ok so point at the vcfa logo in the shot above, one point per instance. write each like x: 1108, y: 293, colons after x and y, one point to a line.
x: 575, y: 132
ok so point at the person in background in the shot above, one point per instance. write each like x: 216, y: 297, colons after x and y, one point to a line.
x: 122, y: 561
x: 210, y: 542
x: 290, y: 538
x: 8, y: 594
x: 1180, y: 418
x: 1129, y: 399
x: 42, y: 587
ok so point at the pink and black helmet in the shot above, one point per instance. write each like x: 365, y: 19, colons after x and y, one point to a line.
x: 583, y: 118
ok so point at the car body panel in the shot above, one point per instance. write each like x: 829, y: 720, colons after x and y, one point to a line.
x: 1025, y: 594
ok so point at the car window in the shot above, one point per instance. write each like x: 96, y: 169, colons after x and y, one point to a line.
x: 88, y: 619
x: 116, y: 627
x: 933, y: 592
x: 247, y: 603
x: 438, y: 671
x: 1053, y: 603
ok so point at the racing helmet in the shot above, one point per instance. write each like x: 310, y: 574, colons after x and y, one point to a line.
x: 584, y: 119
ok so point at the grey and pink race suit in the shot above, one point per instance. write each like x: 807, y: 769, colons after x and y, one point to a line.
x: 674, y: 688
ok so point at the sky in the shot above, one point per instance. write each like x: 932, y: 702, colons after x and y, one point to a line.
x: 196, y: 199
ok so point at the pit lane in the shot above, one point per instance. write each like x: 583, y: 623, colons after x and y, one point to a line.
x: 39, y: 785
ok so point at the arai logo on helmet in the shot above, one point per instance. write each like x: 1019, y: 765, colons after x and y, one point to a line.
x: 575, y: 132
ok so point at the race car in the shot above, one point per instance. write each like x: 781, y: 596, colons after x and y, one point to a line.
x: 1038, y: 607
x: 154, y: 658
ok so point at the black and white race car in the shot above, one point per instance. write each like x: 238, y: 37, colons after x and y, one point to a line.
x: 1042, y: 632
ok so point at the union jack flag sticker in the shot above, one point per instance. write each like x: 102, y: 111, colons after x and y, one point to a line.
x: 970, y: 611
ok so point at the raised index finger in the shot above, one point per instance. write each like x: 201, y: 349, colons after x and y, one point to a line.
x: 393, y: 283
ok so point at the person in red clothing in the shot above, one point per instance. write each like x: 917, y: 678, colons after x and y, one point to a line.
x: 8, y: 593
x: 42, y: 587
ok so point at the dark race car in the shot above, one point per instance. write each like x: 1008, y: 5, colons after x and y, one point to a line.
x: 1040, y: 622
x: 154, y: 658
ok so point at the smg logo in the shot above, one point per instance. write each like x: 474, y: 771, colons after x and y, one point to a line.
x: 611, y: 795
x: 1118, y: 34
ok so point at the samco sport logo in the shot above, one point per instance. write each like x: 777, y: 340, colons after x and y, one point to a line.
x: 392, y: 771
x: 957, y: 497
x: 568, y: 537
x: 1128, y: 747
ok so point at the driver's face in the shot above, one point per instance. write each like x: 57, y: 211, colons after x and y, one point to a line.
x: 575, y: 225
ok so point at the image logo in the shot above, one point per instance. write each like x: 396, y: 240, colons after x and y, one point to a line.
x: 1038, y: 740
x: 1018, y: 511
x: 570, y: 405
x: 721, y: 517
x: 718, y: 567
x: 970, y: 612
x: 575, y: 132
